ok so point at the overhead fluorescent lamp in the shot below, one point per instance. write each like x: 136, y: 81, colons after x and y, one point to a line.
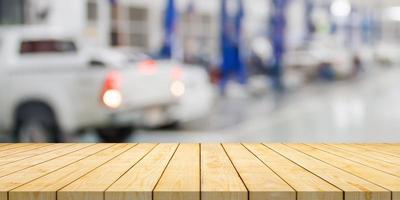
x: 341, y: 8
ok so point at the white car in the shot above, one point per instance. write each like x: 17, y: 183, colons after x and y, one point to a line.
x: 190, y: 83
x: 199, y: 94
x: 387, y: 53
x: 52, y: 86
x: 310, y: 59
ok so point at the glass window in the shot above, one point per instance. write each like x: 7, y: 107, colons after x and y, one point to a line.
x: 47, y: 46
x: 130, y: 27
x: 137, y: 14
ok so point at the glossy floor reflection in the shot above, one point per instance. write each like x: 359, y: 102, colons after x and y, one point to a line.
x: 362, y: 110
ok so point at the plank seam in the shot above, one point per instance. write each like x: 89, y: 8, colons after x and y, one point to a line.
x: 14, y: 153
x: 93, y: 168
x: 200, y: 170
x: 379, y: 151
x: 104, y: 192
x: 270, y: 168
x: 374, y: 157
x: 13, y: 147
x: 45, y: 161
x: 8, y: 192
x: 37, y: 154
x: 237, y: 172
x: 349, y: 159
x: 343, y: 193
x: 390, y: 191
x: 159, y: 178
x: 25, y: 145
x: 343, y: 170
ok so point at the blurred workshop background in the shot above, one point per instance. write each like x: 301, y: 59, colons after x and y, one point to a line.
x: 199, y: 70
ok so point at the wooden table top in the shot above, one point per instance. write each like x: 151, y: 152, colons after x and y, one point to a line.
x: 200, y: 171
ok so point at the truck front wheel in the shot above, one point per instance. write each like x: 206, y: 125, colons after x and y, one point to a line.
x: 36, y: 123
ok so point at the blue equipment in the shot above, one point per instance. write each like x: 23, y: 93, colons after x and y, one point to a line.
x: 232, y: 63
x: 277, y: 37
x: 169, y: 28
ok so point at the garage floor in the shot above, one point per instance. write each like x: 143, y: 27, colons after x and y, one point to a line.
x: 362, y: 110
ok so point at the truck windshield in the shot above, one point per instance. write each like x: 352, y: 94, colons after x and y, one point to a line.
x: 47, y: 46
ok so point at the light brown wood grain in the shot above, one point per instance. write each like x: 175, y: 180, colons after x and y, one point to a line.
x: 89, y: 187
x: 47, y: 186
x: 199, y: 172
x: 377, y: 177
x: 12, y: 146
x: 34, y: 160
x: 181, y: 178
x: 373, y: 154
x: 138, y: 183
x: 19, y: 149
x: 71, y: 154
x: 307, y: 185
x: 34, y: 152
x: 261, y: 181
x: 359, y: 158
x: 219, y: 179
x: 353, y: 186
x: 387, y: 149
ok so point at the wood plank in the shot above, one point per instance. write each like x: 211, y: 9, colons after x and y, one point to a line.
x: 46, y: 187
x: 71, y: 154
x: 394, y: 145
x: 353, y: 186
x: 12, y: 146
x: 383, y: 149
x: 139, y: 182
x: 20, y: 148
x: 219, y: 179
x: 89, y: 187
x: 262, y: 182
x: 34, y: 160
x: 359, y: 158
x: 181, y: 178
x: 307, y: 185
x: 368, y: 152
x: 377, y: 177
x: 388, y: 145
x: 200, y: 171
x: 30, y: 153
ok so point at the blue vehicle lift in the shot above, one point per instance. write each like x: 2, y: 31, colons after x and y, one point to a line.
x: 277, y: 37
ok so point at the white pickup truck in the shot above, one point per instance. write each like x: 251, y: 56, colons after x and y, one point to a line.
x: 52, y: 87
